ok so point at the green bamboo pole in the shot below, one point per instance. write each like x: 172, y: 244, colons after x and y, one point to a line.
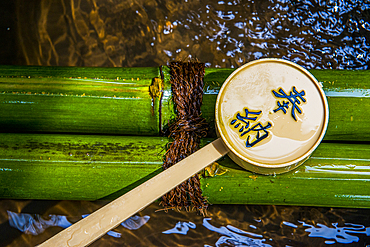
x: 127, y: 101
x: 336, y: 175
x: 82, y: 100
x: 82, y: 167
x: 75, y: 167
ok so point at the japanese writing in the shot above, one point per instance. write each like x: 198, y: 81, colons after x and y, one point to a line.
x: 294, y: 98
x: 243, y: 122
x: 246, y: 122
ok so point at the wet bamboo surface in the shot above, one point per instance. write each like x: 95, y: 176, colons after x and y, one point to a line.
x: 44, y: 111
x: 85, y: 167
x: 126, y: 101
x: 81, y: 100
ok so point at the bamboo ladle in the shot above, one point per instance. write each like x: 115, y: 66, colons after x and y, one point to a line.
x: 261, y: 75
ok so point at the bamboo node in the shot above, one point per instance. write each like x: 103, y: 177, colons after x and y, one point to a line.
x: 155, y: 90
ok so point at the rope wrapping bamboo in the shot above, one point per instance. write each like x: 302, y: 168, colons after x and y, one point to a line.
x: 187, y: 130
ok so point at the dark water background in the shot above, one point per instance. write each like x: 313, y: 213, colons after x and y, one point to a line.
x: 315, y: 34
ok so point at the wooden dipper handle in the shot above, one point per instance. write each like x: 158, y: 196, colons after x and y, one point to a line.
x: 87, y: 230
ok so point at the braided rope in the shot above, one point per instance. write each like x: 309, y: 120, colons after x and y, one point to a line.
x: 186, y: 131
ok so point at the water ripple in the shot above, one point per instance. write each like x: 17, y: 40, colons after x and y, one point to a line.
x: 314, y: 34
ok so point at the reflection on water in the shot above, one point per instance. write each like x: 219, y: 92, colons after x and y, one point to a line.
x: 233, y: 236
x: 181, y: 228
x: 315, y: 34
x: 35, y: 224
x: 225, y: 225
x: 337, y: 234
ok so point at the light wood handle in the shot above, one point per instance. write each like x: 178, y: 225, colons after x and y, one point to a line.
x: 87, y: 230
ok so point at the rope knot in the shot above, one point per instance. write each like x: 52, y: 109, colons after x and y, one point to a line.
x: 195, y: 126
x: 186, y: 131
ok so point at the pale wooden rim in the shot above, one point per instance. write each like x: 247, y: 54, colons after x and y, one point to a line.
x: 325, y: 119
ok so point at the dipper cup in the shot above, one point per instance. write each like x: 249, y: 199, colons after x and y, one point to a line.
x: 271, y: 114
